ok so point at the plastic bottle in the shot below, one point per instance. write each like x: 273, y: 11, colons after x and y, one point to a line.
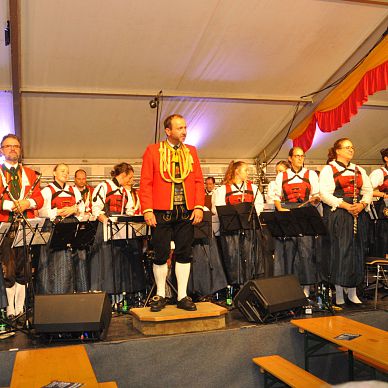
x: 229, y: 299
x: 124, y: 306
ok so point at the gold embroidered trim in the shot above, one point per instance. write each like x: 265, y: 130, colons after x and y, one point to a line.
x: 169, y: 157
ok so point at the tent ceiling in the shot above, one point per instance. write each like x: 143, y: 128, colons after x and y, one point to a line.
x: 88, y: 70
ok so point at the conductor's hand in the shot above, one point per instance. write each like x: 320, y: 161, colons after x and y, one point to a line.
x: 21, y: 206
x: 150, y: 219
x: 196, y: 216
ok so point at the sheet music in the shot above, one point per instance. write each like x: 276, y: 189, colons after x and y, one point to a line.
x: 114, y: 230
x: 4, y: 226
x: 33, y: 237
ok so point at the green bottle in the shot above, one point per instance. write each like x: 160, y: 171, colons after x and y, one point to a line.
x: 124, y: 307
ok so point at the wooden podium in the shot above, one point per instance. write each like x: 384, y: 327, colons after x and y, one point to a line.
x: 172, y: 320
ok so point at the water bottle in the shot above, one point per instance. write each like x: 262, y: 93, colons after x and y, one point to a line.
x: 229, y: 299
x: 124, y: 306
x: 319, y: 297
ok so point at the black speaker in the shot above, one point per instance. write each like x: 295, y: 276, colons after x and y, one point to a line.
x: 265, y: 300
x: 72, y: 313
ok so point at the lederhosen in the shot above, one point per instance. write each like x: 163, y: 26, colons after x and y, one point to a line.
x: 296, y: 255
x: 344, y: 250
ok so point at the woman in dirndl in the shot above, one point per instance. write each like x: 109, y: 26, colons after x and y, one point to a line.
x: 346, y: 192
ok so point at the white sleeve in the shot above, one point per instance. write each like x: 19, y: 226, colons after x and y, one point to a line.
x: 130, y: 206
x: 327, y: 187
x: 218, y: 198
x: 98, y: 200
x: 278, y: 191
x: 271, y: 190
x: 376, y: 177
x: 259, y: 201
x: 314, y: 181
x: 366, y: 189
x: 46, y: 211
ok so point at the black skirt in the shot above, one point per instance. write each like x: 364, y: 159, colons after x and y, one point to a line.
x: 343, y: 252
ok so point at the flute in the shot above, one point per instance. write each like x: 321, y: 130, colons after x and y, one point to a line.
x: 355, y: 200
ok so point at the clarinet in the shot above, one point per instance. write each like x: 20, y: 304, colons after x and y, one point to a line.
x: 355, y: 200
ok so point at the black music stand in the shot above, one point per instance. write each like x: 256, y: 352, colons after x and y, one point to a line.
x: 29, y: 232
x: 236, y: 217
x: 203, y: 230
x: 73, y: 234
x: 304, y: 221
x: 135, y: 226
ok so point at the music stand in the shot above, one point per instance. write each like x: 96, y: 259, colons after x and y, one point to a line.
x: 203, y: 230
x: 35, y: 234
x: 295, y: 223
x: 75, y: 235
x: 4, y: 227
x: 137, y: 224
x: 84, y: 234
x: 236, y: 217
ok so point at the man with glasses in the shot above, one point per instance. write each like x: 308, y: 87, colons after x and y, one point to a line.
x: 296, y: 187
x: 20, y: 196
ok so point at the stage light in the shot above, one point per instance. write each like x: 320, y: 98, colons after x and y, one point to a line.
x: 154, y: 103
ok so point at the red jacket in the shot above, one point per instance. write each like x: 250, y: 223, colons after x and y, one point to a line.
x: 35, y: 195
x: 157, y: 194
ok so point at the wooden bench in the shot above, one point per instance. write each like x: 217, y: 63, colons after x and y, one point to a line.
x: 276, y: 368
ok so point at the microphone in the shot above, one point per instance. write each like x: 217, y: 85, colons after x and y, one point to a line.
x: 97, y: 195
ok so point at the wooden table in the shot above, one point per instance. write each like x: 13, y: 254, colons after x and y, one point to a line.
x: 318, y: 332
x: 39, y: 367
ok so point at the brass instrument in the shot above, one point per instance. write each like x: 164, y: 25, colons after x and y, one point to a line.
x: 355, y: 200
x: 385, y: 212
x: 32, y: 188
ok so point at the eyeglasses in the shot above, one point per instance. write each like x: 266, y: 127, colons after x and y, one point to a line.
x: 347, y: 148
x: 299, y: 156
x: 9, y: 146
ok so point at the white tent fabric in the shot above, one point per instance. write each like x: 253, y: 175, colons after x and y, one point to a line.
x: 234, y: 69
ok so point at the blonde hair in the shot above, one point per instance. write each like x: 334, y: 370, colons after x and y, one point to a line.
x: 230, y: 173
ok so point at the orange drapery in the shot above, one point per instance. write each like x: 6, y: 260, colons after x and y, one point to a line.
x: 344, y: 100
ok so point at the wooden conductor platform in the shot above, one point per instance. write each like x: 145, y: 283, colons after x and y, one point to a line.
x: 172, y: 320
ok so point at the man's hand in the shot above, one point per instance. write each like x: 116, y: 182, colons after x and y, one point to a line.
x: 150, y: 219
x: 21, y: 206
x: 196, y: 216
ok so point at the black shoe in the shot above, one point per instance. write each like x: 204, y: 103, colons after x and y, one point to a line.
x: 186, y: 304
x: 158, y: 303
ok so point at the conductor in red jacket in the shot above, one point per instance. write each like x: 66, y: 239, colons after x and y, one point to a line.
x: 172, y: 198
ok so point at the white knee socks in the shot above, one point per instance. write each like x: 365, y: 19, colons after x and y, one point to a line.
x: 339, y: 294
x: 352, y: 295
x: 182, y: 272
x: 160, y: 275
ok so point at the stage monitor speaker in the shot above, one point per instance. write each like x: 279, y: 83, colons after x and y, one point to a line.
x: 265, y: 300
x: 72, y: 313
